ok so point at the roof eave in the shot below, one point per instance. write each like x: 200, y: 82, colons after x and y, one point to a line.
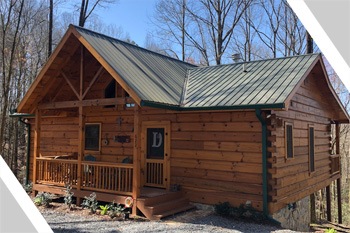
x: 279, y: 106
x: 344, y: 111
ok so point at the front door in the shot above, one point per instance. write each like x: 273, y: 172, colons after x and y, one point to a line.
x: 156, y: 148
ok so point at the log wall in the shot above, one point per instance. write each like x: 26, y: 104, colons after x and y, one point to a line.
x: 215, y: 157
x: 290, y: 179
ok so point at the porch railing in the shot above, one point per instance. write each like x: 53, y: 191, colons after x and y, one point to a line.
x: 107, y: 177
x: 57, y: 171
x: 155, y: 171
x: 95, y: 176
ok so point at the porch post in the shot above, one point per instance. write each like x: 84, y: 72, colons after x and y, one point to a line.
x: 80, y: 149
x: 81, y: 141
x: 136, y: 158
x: 37, y: 134
x: 337, y: 151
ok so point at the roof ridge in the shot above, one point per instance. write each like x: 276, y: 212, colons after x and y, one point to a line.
x: 259, y: 60
x: 129, y: 44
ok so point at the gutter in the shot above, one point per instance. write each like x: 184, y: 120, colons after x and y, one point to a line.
x: 258, y: 114
x: 14, y: 114
x: 234, y: 107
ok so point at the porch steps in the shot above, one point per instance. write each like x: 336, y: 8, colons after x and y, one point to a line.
x: 158, y: 207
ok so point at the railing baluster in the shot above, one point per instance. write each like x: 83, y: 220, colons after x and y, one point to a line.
x: 96, y: 176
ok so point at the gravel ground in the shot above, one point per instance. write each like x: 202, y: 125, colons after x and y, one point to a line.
x: 62, y: 220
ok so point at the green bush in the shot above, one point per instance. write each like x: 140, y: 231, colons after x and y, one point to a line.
x: 43, y: 199
x: 246, y: 212
x: 68, y: 196
x: 116, y: 210
x: 28, y: 187
x: 104, y: 209
x: 90, y: 203
x: 331, y: 230
x: 223, y: 209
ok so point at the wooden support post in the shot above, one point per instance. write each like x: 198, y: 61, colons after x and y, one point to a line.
x: 329, y: 204
x: 312, y: 208
x: 136, y: 184
x: 340, y: 212
x: 37, y: 135
x: 81, y: 142
x: 337, y: 151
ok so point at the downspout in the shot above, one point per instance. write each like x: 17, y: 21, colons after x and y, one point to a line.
x: 264, y: 159
x: 13, y: 113
x: 28, y: 148
x: 258, y: 114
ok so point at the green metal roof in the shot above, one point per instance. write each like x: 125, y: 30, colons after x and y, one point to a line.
x: 165, y: 82
x: 154, y: 77
x: 265, y: 82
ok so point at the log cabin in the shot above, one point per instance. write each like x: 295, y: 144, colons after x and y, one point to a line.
x: 122, y: 121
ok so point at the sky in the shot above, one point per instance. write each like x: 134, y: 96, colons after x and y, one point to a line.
x: 132, y: 15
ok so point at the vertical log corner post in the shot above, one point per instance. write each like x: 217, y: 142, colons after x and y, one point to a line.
x: 137, y: 158
x: 37, y: 135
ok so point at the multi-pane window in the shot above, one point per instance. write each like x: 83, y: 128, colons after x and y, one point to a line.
x: 289, y: 144
x: 92, y: 136
x: 311, y: 149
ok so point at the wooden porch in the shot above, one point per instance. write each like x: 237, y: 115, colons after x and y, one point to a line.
x: 95, y: 176
x: 111, y: 182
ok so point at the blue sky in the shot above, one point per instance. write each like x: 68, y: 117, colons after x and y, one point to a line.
x: 132, y: 15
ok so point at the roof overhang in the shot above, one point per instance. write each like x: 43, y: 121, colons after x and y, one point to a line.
x: 343, y: 116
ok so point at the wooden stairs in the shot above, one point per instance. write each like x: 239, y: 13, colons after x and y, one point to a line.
x: 158, y: 206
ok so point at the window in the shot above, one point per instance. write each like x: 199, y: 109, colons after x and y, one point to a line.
x: 110, y: 92
x: 92, y: 136
x: 289, y: 144
x: 311, y: 149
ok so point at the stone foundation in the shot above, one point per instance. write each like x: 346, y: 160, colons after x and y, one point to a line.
x: 295, y: 216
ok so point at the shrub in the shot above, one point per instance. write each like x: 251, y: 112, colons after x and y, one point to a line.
x: 116, y: 210
x: 223, y: 209
x: 331, y: 230
x: 43, y: 198
x: 68, y: 196
x: 104, y: 209
x: 90, y: 203
x: 246, y: 212
x: 28, y: 187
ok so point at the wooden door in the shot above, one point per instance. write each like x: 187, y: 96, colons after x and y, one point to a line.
x: 156, y: 154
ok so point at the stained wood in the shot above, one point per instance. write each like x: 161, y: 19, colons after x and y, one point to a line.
x: 136, y: 182
x: 291, y: 179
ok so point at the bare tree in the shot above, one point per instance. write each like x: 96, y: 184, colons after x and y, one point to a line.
x: 11, y: 14
x: 50, y: 28
x: 87, y: 8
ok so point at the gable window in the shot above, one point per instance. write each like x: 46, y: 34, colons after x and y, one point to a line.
x: 289, y: 143
x: 311, y: 149
x: 92, y: 136
x: 110, y: 92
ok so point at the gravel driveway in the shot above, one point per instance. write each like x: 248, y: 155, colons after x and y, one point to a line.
x: 191, y: 221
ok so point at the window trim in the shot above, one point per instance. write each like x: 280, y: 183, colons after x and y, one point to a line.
x: 309, y: 154
x: 99, y: 137
x: 286, y: 140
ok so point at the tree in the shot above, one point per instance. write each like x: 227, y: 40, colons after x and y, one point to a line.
x: 206, y: 26
x: 87, y: 7
x: 50, y: 28
x: 11, y: 15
